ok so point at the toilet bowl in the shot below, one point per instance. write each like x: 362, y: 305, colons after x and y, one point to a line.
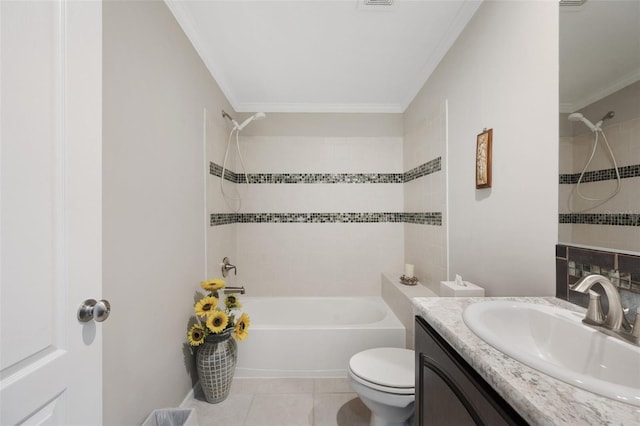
x: 384, y: 379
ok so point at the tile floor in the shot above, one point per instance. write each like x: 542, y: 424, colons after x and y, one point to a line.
x: 284, y: 402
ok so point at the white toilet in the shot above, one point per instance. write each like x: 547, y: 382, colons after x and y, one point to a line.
x: 384, y: 379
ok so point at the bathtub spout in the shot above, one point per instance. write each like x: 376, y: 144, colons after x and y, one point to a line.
x: 227, y: 290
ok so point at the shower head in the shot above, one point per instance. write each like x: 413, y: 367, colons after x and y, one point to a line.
x: 245, y: 123
x: 576, y: 116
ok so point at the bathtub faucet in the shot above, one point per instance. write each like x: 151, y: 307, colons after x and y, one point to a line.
x: 226, y: 266
x: 227, y: 290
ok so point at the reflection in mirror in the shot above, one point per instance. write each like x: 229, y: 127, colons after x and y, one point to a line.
x: 599, y: 196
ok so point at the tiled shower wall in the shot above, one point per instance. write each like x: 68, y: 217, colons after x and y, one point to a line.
x: 325, y: 213
x: 317, y: 226
x: 615, y: 223
x: 220, y: 241
x: 425, y: 245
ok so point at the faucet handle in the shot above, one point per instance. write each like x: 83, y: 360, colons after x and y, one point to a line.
x: 594, y: 310
x: 226, y: 266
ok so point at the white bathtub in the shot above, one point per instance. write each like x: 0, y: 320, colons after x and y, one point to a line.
x: 313, y: 336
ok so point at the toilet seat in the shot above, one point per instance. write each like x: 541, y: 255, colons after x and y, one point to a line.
x: 390, y: 370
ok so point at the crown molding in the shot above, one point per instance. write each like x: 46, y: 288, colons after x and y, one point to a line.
x: 466, y: 12
x: 313, y: 107
x: 566, y: 108
x: 177, y: 8
x: 601, y: 93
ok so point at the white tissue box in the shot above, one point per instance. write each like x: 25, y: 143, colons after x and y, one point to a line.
x: 451, y: 289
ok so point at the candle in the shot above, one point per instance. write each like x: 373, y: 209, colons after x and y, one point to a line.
x: 408, y: 270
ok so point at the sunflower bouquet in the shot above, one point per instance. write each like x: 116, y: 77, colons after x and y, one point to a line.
x: 212, y: 319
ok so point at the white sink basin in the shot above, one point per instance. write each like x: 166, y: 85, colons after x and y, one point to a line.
x: 554, y: 341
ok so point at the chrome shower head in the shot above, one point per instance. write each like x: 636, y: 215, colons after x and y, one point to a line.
x: 245, y: 123
x: 576, y: 116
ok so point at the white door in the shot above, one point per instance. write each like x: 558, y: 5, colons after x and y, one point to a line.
x: 50, y: 253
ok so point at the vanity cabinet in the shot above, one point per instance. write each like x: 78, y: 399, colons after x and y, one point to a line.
x: 449, y: 391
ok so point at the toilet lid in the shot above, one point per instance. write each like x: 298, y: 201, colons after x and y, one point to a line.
x: 389, y: 367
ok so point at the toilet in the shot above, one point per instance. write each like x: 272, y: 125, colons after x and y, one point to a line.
x: 384, y: 379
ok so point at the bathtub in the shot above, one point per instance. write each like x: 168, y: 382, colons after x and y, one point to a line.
x: 313, y: 336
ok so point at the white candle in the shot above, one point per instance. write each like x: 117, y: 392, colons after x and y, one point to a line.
x: 408, y: 270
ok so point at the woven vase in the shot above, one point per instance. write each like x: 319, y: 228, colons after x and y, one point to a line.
x: 216, y: 364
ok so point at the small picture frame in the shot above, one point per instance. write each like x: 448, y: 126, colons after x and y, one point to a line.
x: 483, y: 159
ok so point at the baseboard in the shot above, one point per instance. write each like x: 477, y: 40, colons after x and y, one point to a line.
x: 186, y: 402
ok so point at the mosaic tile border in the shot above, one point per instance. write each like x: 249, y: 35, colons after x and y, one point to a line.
x: 329, y: 178
x: 216, y: 170
x: 613, y: 219
x: 623, y: 270
x: 425, y: 169
x: 618, y: 278
x: 258, y: 178
x: 216, y: 219
x: 427, y: 218
x: 600, y: 175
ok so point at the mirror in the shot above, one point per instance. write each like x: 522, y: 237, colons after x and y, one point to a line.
x: 599, y: 73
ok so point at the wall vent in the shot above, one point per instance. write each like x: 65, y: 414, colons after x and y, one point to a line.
x: 377, y: 2
x: 384, y: 5
x: 573, y: 3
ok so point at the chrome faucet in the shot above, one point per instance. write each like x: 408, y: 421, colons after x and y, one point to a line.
x: 615, y: 320
x: 227, y: 290
x: 226, y: 266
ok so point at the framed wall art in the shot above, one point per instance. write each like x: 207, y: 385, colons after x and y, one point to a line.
x: 483, y: 159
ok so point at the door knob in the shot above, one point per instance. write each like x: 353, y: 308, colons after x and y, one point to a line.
x: 91, y: 309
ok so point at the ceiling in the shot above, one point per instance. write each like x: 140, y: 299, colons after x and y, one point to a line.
x: 321, y: 55
x: 343, y: 56
x: 599, y: 50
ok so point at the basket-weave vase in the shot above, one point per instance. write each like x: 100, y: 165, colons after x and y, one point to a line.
x: 216, y: 364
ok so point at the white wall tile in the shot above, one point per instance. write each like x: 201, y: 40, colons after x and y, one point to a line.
x: 317, y: 259
x: 566, y: 155
x: 270, y: 154
x: 565, y: 233
x: 221, y: 243
x: 425, y: 245
x: 322, y: 198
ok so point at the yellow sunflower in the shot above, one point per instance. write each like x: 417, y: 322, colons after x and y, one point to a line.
x: 213, y: 285
x: 206, y: 305
x: 241, y: 330
x: 217, y: 321
x: 232, y: 302
x: 196, y: 336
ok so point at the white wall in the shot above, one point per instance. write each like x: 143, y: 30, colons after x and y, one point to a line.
x: 502, y: 73
x: 155, y: 88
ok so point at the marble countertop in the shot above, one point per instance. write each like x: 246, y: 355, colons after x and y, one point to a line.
x: 538, y: 398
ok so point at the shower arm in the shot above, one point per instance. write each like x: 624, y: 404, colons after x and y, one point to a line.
x: 225, y: 115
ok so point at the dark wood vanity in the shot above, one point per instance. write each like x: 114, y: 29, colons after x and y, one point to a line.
x: 449, y: 391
